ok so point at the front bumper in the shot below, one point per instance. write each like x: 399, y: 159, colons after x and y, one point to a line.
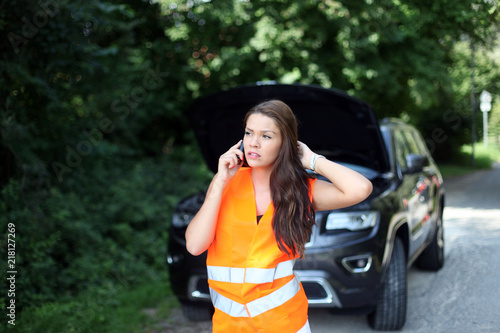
x: 342, y: 269
x: 317, y: 286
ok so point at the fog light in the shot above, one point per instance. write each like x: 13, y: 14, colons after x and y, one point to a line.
x: 358, y: 264
x: 174, y: 259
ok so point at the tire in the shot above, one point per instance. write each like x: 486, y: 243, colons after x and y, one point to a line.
x: 432, y: 258
x: 390, y: 310
x: 197, y: 311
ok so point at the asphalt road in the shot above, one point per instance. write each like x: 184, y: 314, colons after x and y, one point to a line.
x: 464, y: 296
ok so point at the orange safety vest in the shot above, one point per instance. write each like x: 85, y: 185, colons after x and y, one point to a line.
x: 251, y: 280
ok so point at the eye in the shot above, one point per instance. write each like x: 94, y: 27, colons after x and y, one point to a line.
x: 247, y: 133
x: 266, y: 136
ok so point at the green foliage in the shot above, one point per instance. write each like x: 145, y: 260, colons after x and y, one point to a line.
x: 111, y: 310
x: 396, y: 55
x: 494, y: 123
x: 106, y: 225
x: 484, y: 157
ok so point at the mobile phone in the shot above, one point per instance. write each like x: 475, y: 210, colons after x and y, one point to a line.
x: 242, y: 148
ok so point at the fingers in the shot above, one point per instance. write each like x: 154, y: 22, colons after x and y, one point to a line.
x: 232, y: 157
x: 302, y: 145
x: 305, y: 154
x: 237, y: 145
x: 239, y: 154
x: 300, y: 150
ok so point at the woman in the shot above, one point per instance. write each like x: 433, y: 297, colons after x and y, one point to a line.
x: 256, y: 220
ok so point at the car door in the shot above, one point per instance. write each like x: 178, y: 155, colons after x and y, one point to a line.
x: 428, y: 179
x: 422, y: 194
x: 413, y: 190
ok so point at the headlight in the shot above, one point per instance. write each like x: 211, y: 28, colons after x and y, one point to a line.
x: 181, y: 220
x: 351, y: 220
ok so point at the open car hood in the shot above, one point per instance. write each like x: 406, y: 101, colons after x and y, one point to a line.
x: 331, y: 123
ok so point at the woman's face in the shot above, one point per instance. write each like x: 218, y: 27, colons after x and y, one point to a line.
x: 262, y: 141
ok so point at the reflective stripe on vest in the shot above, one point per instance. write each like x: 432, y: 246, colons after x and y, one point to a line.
x: 252, y: 275
x: 305, y: 329
x: 258, y: 306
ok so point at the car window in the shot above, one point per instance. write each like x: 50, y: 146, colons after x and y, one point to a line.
x: 401, y: 149
x: 412, y: 144
x: 422, y: 148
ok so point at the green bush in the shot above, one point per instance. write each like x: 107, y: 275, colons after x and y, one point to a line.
x: 106, y: 224
x: 106, y: 310
x: 484, y: 157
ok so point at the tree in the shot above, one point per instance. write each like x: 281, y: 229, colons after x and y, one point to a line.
x: 396, y: 55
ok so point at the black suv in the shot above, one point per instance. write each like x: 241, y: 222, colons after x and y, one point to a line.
x: 357, y: 257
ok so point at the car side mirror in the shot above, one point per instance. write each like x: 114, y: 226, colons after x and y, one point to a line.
x: 416, y: 162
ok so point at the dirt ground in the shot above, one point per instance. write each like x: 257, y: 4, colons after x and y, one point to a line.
x: 175, y: 322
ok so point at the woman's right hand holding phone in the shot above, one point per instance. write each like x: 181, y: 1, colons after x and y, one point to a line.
x: 230, y: 163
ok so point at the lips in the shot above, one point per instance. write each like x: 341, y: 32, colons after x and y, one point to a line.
x: 252, y: 154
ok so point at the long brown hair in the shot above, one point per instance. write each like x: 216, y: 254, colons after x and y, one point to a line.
x: 293, y: 210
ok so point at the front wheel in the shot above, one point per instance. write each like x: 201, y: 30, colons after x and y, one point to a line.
x: 390, y: 310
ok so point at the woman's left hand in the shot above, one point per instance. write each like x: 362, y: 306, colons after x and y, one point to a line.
x: 305, y: 155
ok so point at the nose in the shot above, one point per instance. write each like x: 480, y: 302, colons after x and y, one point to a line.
x: 254, y: 141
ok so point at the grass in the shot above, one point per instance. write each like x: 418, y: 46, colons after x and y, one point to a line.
x: 111, y: 310
x: 484, y: 157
